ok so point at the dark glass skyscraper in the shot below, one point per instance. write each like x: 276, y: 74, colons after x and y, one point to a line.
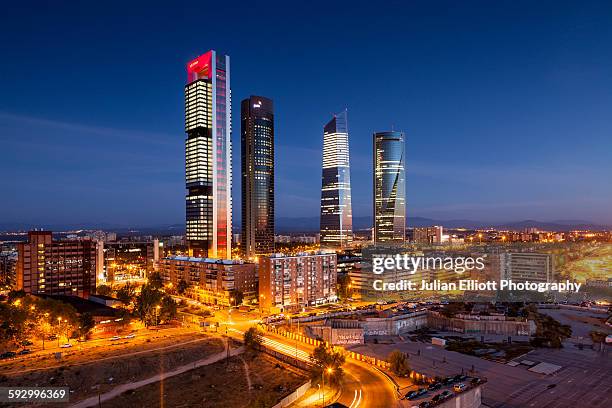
x: 257, y: 143
x: 336, y: 211
x: 208, y: 152
x: 389, y: 187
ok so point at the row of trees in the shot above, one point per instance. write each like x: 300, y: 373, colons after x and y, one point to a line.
x: 151, y: 305
x: 25, y: 317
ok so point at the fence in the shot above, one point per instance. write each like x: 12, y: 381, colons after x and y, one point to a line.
x: 289, y: 399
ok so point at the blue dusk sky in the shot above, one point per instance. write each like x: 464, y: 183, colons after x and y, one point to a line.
x: 506, y: 105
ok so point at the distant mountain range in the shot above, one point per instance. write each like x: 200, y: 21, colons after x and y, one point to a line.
x: 360, y: 223
x: 311, y: 225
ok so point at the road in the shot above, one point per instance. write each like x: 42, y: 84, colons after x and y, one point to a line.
x: 363, y: 386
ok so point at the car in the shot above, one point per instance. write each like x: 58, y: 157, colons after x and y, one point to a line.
x: 26, y: 343
x: 421, y: 391
x: 476, y: 381
x: 425, y: 404
x: 434, y: 386
x: 24, y: 352
x: 460, y: 377
x: 436, y: 398
x: 130, y: 336
x: 445, y: 395
x: 66, y: 345
x: 411, y: 395
x: 115, y: 338
x: 448, y: 380
x: 8, y: 354
x: 459, y: 387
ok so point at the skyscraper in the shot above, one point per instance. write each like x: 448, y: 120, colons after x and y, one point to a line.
x: 336, y: 211
x: 257, y: 153
x: 208, y: 165
x: 389, y: 187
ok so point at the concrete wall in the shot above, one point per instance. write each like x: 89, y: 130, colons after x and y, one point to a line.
x: 468, y: 399
x: 509, y: 327
x: 396, y: 325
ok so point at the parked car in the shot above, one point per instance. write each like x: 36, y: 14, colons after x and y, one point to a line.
x: 434, y: 386
x: 411, y: 395
x: 24, y: 352
x: 8, y: 354
x: 67, y: 345
x: 115, y: 338
x: 459, y: 387
x: 421, y: 391
x: 26, y: 343
x: 445, y: 395
x: 460, y: 377
x: 130, y: 336
x: 448, y: 380
x: 425, y: 404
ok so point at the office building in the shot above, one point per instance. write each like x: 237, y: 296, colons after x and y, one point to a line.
x: 126, y: 260
x: 290, y: 282
x: 428, y: 235
x: 208, y: 165
x: 336, y: 211
x: 47, y: 266
x: 527, y: 266
x: 257, y: 154
x: 389, y: 187
x: 212, y: 281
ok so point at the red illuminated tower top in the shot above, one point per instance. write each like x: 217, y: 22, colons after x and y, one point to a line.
x: 200, y: 67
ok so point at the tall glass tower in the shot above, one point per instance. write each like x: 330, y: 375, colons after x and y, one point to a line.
x: 208, y: 165
x: 336, y: 211
x: 389, y: 187
x: 257, y: 154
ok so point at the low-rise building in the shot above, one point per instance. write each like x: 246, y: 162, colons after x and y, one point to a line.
x: 212, y: 281
x: 289, y: 282
x: 54, y: 267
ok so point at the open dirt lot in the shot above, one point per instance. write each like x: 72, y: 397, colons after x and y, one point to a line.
x: 113, y: 367
x: 222, y: 384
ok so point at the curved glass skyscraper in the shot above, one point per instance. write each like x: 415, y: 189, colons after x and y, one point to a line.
x: 336, y: 211
x: 389, y: 187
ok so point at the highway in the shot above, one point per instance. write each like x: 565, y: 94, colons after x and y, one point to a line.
x: 362, y: 387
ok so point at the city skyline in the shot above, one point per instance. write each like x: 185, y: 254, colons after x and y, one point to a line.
x: 456, y: 100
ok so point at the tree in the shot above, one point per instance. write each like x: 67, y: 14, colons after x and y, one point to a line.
x: 344, y: 283
x: 127, y: 293
x: 181, y: 287
x: 399, y: 363
x: 598, y: 337
x: 328, y: 363
x: 168, y: 309
x: 155, y: 280
x: 146, y: 303
x: 104, y: 290
x: 253, y: 339
x: 86, y: 324
x: 237, y: 296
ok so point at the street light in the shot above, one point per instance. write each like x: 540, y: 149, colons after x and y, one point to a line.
x: 59, y: 322
x: 329, y: 371
x: 157, y: 314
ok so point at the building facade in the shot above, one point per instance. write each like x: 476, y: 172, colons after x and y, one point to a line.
x: 125, y: 260
x: 288, y: 282
x: 47, y: 266
x: 212, y: 281
x: 208, y: 165
x: 527, y: 266
x: 336, y: 210
x: 257, y: 154
x: 428, y: 235
x: 389, y: 187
